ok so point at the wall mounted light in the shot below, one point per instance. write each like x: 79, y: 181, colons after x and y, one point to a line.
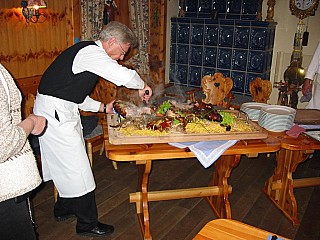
x: 30, y: 10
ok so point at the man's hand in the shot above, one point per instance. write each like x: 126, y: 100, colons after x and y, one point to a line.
x: 109, y: 108
x: 145, y: 93
x: 39, y: 124
x: 306, y: 87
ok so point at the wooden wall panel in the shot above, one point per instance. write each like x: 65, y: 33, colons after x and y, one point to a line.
x: 157, y: 47
x: 28, y: 84
x: 26, y: 49
x: 122, y: 13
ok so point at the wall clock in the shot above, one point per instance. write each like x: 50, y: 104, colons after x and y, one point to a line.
x: 303, y: 8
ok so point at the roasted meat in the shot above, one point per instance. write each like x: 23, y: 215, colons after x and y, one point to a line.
x: 127, y: 109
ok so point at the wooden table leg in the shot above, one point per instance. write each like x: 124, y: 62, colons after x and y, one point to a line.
x: 223, y: 167
x: 279, y: 187
x: 142, y: 206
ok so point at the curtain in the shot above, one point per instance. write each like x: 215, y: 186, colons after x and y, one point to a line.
x: 92, y: 19
x: 139, y: 16
x: 92, y: 23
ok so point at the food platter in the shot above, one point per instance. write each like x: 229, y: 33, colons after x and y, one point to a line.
x: 118, y: 138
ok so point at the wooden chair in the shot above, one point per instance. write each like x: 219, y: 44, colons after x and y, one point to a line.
x: 217, y: 90
x: 94, y: 143
x: 105, y: 92
x: 260, y: 90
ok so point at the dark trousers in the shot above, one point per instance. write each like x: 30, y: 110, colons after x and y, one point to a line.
x: 84, y: 208
x: 15, y: 221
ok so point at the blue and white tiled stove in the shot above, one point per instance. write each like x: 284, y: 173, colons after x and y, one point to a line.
x: 240, y: 49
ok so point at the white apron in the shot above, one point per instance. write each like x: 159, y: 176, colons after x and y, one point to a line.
x: 314, y: 102
x: 63, y: 155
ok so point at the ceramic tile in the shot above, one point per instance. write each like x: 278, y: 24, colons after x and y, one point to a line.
x: 191, y: 5
x: 210, y: 57
x: 196, y: 55
x: 173, y: 50
x: 226, y: 36
x: 211, y: 35
x: 224, y: 58
x: 256, y: 61
x: 241, y: 37
x: 233, y: 6
x: 197, y: 32
x: 207, y: 71
x: 225, y: 72
x: 220, y: 5
x: 182, y: 53
x: 172, y: 73
x: 183, y: 33
x: 258, y: 38
x: 205, y: 6
x: 194, y: 76
x: 239, y: 59
x: 181, y: 74
x: 250, y: 7
x: 173, y: 32
x: 226, y: 9
x: 239, y: 79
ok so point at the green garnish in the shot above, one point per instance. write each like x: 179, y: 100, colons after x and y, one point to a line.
x: 164, y: 107
x: 176, y: 121
x: 227, y: 118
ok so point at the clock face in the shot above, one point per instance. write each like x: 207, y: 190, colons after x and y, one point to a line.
x: 304, y: 4
x: 303, y: 8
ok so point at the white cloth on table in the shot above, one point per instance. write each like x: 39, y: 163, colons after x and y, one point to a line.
x: 313, y: 73
x: 206, y: 152
x: 309, y: 127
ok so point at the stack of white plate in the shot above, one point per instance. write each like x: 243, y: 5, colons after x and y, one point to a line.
x: 252, y: 109
x: 276, y: 118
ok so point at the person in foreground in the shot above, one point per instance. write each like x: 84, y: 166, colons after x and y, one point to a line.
x: 312, y: 81
x: 19, y: 173
x: 63, y: 90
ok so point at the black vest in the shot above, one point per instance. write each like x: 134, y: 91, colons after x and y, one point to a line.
x: 59, y: 81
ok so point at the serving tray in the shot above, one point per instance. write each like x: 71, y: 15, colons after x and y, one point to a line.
x: 307, y: 116
x: 117, y: 138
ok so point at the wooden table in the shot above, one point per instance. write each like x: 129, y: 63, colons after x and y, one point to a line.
x: 218, y: 190
x: 221, y: 229
x: 279, y: 187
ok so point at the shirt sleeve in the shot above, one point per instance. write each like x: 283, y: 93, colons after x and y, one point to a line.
x: 12, y: 137
x: 314, y: 64
x: 90, y: 104
x: 94, y: 59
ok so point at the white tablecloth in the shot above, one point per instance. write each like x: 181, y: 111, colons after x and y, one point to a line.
x: 206, y: 152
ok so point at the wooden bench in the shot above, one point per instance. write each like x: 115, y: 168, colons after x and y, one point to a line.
x: 222, y: 229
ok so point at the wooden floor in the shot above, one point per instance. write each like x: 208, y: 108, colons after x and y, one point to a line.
x: 182, y: 219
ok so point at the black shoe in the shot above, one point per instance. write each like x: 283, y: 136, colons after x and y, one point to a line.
x: 63, y: 218
x: 100, y: 230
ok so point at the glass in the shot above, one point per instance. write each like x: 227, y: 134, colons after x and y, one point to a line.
x: 123, y: 52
